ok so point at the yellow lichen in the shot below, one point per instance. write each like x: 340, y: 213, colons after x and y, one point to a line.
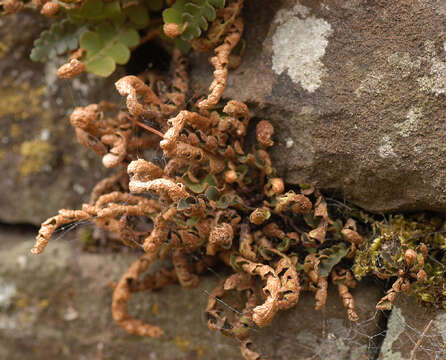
x: 44, y: 303
x: 155, y: 309
x: 20, y: 100
x: 3, y: 49
x: 15, y: 130
x: 185, y: 345
x: 35, y: 154
x: 22, y: 303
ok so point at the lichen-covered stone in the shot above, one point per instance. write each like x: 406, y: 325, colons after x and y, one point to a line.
x: 355, y: 90
x: 43, y: 168
x: 325, y: 334
x: 58, y: 305
x: 405, y: 327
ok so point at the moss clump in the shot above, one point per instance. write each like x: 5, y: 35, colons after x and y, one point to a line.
x: 412, y: 249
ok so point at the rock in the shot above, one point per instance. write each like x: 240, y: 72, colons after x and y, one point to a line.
x: 325, y: 334
x: 43, y: 167
x: 59, y: 306
x: 405, y: 327
x: 356, y: 92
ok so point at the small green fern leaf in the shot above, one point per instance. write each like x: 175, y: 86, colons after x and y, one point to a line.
x: 59, y: 39
x: 155, y: 5
x: 196, y: 13
x: 138, y: 15
x: 107, y: 46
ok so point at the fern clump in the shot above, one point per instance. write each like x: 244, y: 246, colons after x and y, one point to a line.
x: 216, y: 198
x: 61, y: 38
x: 100, y: 34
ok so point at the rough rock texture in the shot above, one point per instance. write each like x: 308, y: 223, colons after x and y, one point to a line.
x: 43, y: 168
x: 57, y: 305
x: 404, y: 328
x: 356, y: 90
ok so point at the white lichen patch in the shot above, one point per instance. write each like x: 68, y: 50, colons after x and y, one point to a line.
x: 435, y: 82
x: 45, y: 134
x: 373, y: 83
x: 440, y: 7
x: 395, y: 327
x: 22, y: 261
x: 411, y: 124
x: 403, y: 66
x: 418, y: 149
x: 7, y: 293
x: 440, y: 324
x: 404, y: 63
x: 385, y: 148
x: 299, y: 43
x: 70, y: 314
x: 79, y: 189
x: 330, y: 347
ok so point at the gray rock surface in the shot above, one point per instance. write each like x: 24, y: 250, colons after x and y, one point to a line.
x: 57, y: 305
x: 356, y: 91
x: 354, y: 88
x: 405, y: 327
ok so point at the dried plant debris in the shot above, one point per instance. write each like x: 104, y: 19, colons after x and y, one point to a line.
x: 215, y: 198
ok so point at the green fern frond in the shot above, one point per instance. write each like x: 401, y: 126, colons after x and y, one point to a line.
x: 59, y: 39
x: 107, y: 46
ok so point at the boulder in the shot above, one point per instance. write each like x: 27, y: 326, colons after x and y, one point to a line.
x: 356, y: 92
x: 58, y: 305
x: 405, y: 327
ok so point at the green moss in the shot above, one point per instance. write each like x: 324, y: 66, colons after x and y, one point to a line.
x: 383, y: 254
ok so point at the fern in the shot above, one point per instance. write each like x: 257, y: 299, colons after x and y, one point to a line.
x: 59, y: 39
x: 107, y: 46
x: 192, y: 16
x: 138, y: 15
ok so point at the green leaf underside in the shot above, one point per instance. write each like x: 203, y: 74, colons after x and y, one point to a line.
x: 212, y: 193
x: 57, y: 40
x: 107, y: 46
x: 198, y: 188
x: 334, y: 256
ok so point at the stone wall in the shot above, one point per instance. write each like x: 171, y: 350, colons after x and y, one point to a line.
x: 355, y: 90
x: 58, y: 305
